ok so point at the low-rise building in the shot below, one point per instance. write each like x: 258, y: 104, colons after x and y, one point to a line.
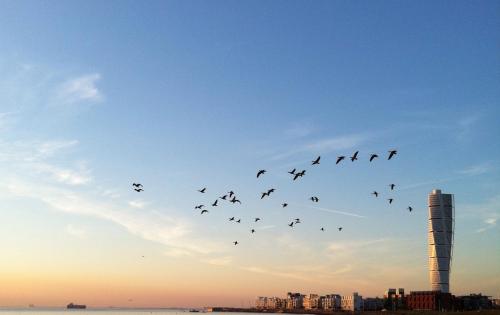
x: 473, y: 302
x: 311, y: 302
x: 353, y: 302
x: 373, y: 304
x: 429, y: 300
x: 331, y: 302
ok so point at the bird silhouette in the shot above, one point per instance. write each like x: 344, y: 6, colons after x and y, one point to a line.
x: 340, y: 158
x: 231, y: 193
x: 261, y: 172
x: 373, y: 156
x: 238, y: 221
x: 297, y: 220
x: 354, y: 157
x: 269, y: 191
x: 234, y: 200
x: 375, y: 193
x: 231, y: 219
x: 223, y: 197
x: 340, y: 229
x: 299, y: 174
x: 138, y: 189
x: 292, y: 172
x: 204, y: 211
x: 235, y: 243
x: 390, y: 200
x: 392, y: 153
x: 257, y: 219
x: 315, y: 162
x: 291, y: 224
x: 203, y: 190
x: 410, y: 209
x: 252, y: 230
x: 392, y: 186
x: 322, y: 229
x: 284, y: 204
x: 264, y: 194
x: 137, y: 185
x: 215, y: 203
x: 314, y: 199
x: 199, y: 207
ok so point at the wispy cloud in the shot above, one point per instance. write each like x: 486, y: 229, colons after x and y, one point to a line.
x: 220, y: 261
x: 347, y: 213
x: 139, y: 204
x: 326, y: 145
x: 291, y: 275
x: 478, y: 169
x: 490, y: 223
x: 82, y: 88
x: 76, y: 231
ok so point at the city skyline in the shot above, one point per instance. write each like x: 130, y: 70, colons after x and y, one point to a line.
x: 181, y: 95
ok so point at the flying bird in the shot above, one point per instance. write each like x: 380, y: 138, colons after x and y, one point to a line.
x: 199, y: 207
x: 297, y: 220
x: 137, y: 185
x: 299, y: 174
x: 257, y: 219
x: 264, y: 194
x: 238, y: 221
x: 231, y: 219
x: 322, y: 229
x: 204, y: 211
x: 375, y: 193
x: 292, y: 172
x: 390, y: 200
x: 215, y: 203
x: 410, y: 209
x: 284, y: 204
x: 314, y: 199
x: 235, y: 243
x: 202, y: 190
x: 234, y: 200
x: 316, y: 161
x: 261, y: 172
x: 269, y: 191
x: 340, y: 229
x: 252, y: 230
x: 373, y: 156
x: 392, y: 186
x: 138, y: 189
x: 291, y: 224
x: 354, y: 157
x: 392, y: 153
x: 340, y: 158
x: 231, y: 193
x: 223, y: 197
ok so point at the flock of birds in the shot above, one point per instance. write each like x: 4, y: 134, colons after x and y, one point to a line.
x: 231, y: 196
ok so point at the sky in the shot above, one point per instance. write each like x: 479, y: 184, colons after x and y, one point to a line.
x: 180, y: 95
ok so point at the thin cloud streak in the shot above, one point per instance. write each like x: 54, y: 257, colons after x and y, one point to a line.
x: 351, y: 214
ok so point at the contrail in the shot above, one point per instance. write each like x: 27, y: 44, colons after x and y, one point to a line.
x: 333, y: 211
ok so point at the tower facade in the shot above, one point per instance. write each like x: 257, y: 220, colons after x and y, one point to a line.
x: 440, y: 238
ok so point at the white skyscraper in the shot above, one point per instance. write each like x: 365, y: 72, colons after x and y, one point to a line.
x: 440, y: 237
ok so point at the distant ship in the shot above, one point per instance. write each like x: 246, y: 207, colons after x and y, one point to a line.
x: 77, y: 306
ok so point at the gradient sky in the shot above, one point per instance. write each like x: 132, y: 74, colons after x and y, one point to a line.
x: 184, y: 94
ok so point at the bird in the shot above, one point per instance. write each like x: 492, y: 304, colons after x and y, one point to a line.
x: 373, y: 156
x: 410, y: 209
x: 314, y: 199
x: 223, y: 197
x: 264, y: 194
x: 392, y: 153
x: 252, y: 230
x: 231, y: 219
x: 137, y: 185
x: 291, y: 224
x: 354, y: 157
x: 375, y: 193
x: 235, y: 243
x: 292, y: 172
x: 238, y: 221
x: 231, y: 193
x: 199, y: 207
x: 284, y: 204
x: 322, y: 229
x: 340, y: 158
x: 261, y: 172
x: 257, y: 219
x: 316, y: 161
x: 269, y: 191
x: 340, y: 228
x: 392, y: 186
x: 390, y: 200
x: 138, y: 189
x: 234, y: 200
x: 215, y: 203
x: 204, y: 211
x: 297, y: 220
x: 299, y: 174
x: 202, y: 190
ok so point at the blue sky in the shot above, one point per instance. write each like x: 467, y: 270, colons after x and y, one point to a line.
x: 184, y: 94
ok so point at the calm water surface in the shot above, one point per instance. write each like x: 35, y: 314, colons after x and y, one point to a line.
x: 59, y: 311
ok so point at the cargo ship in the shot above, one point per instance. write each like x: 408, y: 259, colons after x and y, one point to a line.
x: 75, y: 306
